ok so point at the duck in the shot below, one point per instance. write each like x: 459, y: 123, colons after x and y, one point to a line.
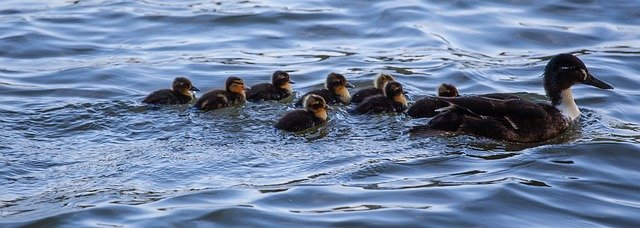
x: 427, y: 106
x: 182, y: 92
x: 334, y: 91
x: 393, y: 100
x: 234, y: 94
x: 378, y: 84
x: 278, y: 89
x: 313, y: 114
x: 509, y: 118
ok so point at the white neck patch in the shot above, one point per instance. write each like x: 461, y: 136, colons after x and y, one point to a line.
x: 567, y: 105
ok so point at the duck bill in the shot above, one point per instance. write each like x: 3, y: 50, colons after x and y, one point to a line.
x: 291, y: 82
x: 193, y: 88
x: 246, y: 88
x: 593, y: 81
x: 349, y: 85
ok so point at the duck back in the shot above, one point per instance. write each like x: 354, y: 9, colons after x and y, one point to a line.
x: 298, y: 120
x: 166, y: 97
x: 363, y: 94
x: 266, y: 91
x: 328, y: 96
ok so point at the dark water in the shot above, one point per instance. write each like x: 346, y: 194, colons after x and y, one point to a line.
x: 78, y: 149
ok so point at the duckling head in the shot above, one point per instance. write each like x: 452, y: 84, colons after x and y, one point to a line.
x: 281, y: 79
x: 235, y: 85
x: 382, y: 79
x: 393, y: 90
x: 447, y: 90
x: 338, y: 84
x: 316, y: 105
x: 183, y: 85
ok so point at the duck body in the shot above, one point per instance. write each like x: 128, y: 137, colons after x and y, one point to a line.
x: 167, y: 97
x: 278, y: 89
x: 427, y: 106
x: 393, y: 100
x: 501, y: 117
x: 327, y: 95
x: 314, y: 114
x: 506, y: 117
x: 378, y: 84
x: 365, y: 93
x: 180, y: 93
x: 335, y: 90
x: 215, y: 99
x: 298, y: 120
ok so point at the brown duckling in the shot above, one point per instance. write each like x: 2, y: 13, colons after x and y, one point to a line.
x: 313, y: 114
x: 335, y: 90
x: 427, y: 106
x: 378, y: 84
x: 181, y: 92
x: 234, y: 94
x: 393, y: 100
x: 278, y: 89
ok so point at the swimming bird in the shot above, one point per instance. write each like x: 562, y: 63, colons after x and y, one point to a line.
x: 234, y: 94
x: 505, y: 117
x: 335, y: 90
x: 393, y: 100
x: 427, y: 106
x: 313, y: 114
x: 181, y: 92
x: 378, y: 84
x: 279, y: 88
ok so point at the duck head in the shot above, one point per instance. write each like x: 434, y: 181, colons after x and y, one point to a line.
x: 182, y: 85
x: 316, y: 105
x: 338, y: 84
x: 562, y: 72
x: 393, y: 90
x: 235, y: 85
x: 447, y: 90
x: 382, y: 79
x: 281, y: 79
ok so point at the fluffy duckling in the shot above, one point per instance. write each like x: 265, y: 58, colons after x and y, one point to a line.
x: 313, y: 114
x: 234, y: 94
x: 335, y: 90
x: 278, y: 89
x: 378, y: 84
x: 181, y: 92
x: 426, y: 107
x: 392, y: 101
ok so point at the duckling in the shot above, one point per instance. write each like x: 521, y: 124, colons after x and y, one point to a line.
x: 181, y: 92
x: 427, y: 106
x: 314, y: 114
x: 448, y: 90
x: 392, y: 101
x: 279, y: 88
x: 502, y: 117
x: 335, y: 90
x: 378, y: 84
x: 234, y: 94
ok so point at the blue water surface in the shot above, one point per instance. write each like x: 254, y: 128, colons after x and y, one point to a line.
x: 77, y: 147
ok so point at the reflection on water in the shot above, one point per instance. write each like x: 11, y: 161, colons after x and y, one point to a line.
x: 79, y: 149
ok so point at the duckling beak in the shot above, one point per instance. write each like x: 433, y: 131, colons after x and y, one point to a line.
x: 193, y: 88
x: 246, y: 87
x: 349, y: 85
x: 327, y: 107
x: 291, y: 82
x: 593, y: 81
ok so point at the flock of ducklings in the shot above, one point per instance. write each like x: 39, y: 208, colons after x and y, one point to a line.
x: 387, y: 96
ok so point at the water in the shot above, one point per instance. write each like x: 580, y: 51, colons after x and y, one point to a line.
x: 79, y: 149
